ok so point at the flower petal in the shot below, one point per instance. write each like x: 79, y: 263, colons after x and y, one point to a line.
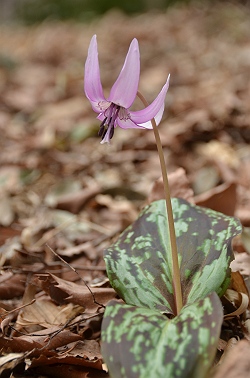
x: 92, y: 82
x: 128, y: 124
x: 155, y: 109
x: 125, y: 88
x: 158, y: 117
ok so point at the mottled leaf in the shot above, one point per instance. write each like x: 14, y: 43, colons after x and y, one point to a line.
x: 142, y: 343
x: 139, y: 264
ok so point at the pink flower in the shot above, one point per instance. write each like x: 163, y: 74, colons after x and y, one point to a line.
x: 114, y: 111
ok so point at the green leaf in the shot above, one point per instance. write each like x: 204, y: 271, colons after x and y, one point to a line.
x: 139, y: 264
x: 143, y: 343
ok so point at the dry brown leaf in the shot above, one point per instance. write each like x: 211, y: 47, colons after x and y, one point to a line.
x: 39, y: 344
x: 222, y: 198
x: 11, y: 285
x: 178, y: 184
x: 236, y: 363
x: 83, y: 353
x: 238, y: 282
x: 43, y: 313
x: 63, y: 291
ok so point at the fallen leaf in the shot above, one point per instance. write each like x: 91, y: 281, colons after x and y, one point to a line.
x: 83, y: 353
x: 43, y: 313
x: 236, y: 363
x: 178, y: 184
x: 222, y: 198
x: 63, y: 291
x: 39, y: 345
x: 11, y: 285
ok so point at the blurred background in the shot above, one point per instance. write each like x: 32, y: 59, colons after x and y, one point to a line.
x: 31, y: 11
x: 49, y: 142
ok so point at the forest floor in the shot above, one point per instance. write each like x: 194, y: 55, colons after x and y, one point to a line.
x: 64, y: 197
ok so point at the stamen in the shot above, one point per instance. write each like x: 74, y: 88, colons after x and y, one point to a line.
x: 104, y: 133
x: 111, y: 114
x: 112, y: 131
x: 102, y: 127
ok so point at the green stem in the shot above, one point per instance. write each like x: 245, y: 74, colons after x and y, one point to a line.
x: 175, y: 263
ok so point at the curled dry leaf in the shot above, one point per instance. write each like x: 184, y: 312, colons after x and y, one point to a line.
x: 240, y: 300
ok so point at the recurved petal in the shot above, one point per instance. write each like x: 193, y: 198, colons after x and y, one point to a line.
x: 92, y: 82
x: 158, y: 117
x: 154, y: 110
x: 125, y: 88
x: 128, y: 124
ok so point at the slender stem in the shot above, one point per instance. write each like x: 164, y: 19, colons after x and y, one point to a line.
x: 176, y: 268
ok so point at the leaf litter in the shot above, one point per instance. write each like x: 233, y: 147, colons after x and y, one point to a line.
x: 61, y: 190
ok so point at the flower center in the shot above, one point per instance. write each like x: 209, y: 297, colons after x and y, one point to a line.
x: 107, y: 126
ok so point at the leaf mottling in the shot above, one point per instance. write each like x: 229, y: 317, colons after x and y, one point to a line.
x: 139, y: 264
